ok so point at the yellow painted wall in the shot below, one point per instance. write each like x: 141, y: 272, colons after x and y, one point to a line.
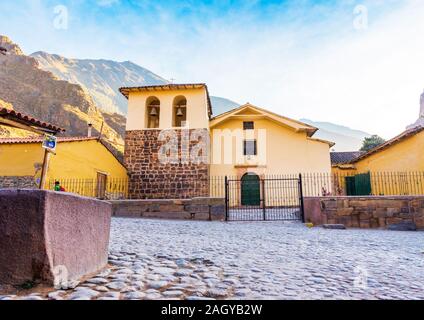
x: 407, y: 155
x: 73, y: 160
x: 83, y: 159
x: 20, y: 159
x: 197, y: 110
x: 287, y: 151
x: 396, y: 170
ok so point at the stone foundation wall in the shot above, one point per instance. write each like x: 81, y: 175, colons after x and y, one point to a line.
x: 26, y: 182
x: 365, y: 212
x: 151, y: 179
x: 211, y: 209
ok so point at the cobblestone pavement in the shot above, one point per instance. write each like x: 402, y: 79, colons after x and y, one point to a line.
x: 153, y: 259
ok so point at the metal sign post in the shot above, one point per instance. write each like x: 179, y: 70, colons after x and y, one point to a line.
x: 49, y: 145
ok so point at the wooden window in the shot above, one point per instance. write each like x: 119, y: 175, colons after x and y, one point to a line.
x: 250, y: 147
x: 248, y: 125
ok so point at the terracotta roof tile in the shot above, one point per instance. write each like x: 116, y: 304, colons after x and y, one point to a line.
x: 28, y: 120
x: 344, y: 157
x: 40, y: 140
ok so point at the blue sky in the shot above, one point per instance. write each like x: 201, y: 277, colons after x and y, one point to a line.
x: 303, y: 59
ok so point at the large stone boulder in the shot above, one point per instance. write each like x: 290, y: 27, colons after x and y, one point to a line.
x: 48, y: 237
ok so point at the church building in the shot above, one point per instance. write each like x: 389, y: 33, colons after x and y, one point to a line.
x: 175, y: 144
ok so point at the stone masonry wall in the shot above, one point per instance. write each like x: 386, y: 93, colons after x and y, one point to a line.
x: 26, y: 182
x: 212, y: 209
x: 151, y: 179
x: 365, y: 212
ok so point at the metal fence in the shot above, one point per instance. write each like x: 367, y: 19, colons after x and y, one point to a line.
x: 109, y: 189
x: 313, y: 184
x: 344, y: 184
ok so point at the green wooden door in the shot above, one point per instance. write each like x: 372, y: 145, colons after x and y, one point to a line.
x: 250, y: 190
x: 350, y: 186
x: 363, y: 184
x: 359, y: 185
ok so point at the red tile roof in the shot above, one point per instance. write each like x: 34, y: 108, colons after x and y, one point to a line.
x: 40, y: 140
x: 29, y: 121
x: 344, y: 157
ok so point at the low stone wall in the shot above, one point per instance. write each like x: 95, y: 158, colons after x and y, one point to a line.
x: 46, y: 236
x: 26, y: 182
x: 211, y: 209
x: 365, y: 212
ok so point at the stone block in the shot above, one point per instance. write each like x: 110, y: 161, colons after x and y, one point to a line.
x: 403, y: 226
x: 419, y: 222
x: 392, y: 212
x: 379, y: 213
x: 365, y: 216
x: 345, y: 212
x: 330, y: 204
x: 205, y: 216
x: 382, y: 222
x: 346, y: 221
x: 198, y: 208
x: 392, y: 220
x: 357, y: 204
x: 217, y: 210
x: 44, y: 232
x: 365, y: 224
x: 334, y: 226
x: 171, y: 208
x: 374, y: 223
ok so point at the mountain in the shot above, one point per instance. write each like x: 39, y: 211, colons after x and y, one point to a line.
x: 346, y: 139
x: 222, y: 105
x: 101, y: 78
x: 26, y: 88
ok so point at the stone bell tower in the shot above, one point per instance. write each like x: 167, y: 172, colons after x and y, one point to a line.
x: 167, y: 141
x: 420, y: 121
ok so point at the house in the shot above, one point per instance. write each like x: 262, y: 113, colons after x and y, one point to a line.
x: 404, y: 152
x: 394, y: 168
x: 84, y: 165
x: 175, y: 145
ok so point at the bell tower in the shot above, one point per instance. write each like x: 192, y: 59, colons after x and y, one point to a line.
x: 167, y: 125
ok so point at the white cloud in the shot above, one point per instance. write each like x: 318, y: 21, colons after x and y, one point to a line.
x: 300, y: 63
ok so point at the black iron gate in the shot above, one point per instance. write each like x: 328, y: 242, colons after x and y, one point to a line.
x: 252, y: 199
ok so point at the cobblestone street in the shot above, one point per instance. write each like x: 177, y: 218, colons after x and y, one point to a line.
x: 152, y: 259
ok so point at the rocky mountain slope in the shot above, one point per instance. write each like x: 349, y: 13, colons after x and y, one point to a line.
x: 29, y: 89
x: 101, y: 78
